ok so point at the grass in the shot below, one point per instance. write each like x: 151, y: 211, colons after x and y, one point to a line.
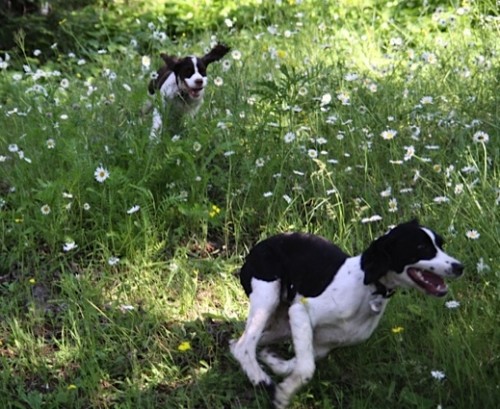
x: 139, y: 311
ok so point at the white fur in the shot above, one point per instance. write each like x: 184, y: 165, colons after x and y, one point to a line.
x: 345, y: 313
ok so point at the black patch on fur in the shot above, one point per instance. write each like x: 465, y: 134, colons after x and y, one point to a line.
x: 305, y: 264
x: 406, y: 244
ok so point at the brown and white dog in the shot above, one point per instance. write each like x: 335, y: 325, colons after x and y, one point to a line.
x: 181, y: 83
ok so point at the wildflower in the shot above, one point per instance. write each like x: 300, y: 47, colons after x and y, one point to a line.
x: 393, y: 205
x: 429, y: 58
x: 439, y: 375
x: 426, y: 100
x: 133, y: 209
x: 101, y: 174
x: 196, y: 146
x: 51, y: 143
x: 481, y: 266
x: 472, y: 234
x: 86, y: 206
x: 388, y: 134
x: 215, y: 210
x: 386, y: 192
x: 459, y: 188
x: 481, y: 137
x: 371, y: 219
x: 312, y: 153
x: 344, y: 98
x: 45, y: 209
x: 397, y: 330
x: 70, y: 245
x: 13, y: 148
x: 126, y: 307
x: 113, y: 261
x: 410, y: 152
x: 287, y: 199
x: 289, y: 137
x: 268, y: 194
x: 372, y: 87
x: 184, y: 346
x: 441, y: 199
x: 351, y: 76
x: 331, y: 119
x: 452, y: 304
x: 64, y: 83
x: 71, y: 387
x: 32, y: 281
x: 325, y: 99
x: 415, y: 131
x: 127, y: 87
x: 228, y: 153
x: 218, y: 81
x: 226, y: 65
x: 236, y: 55
x: 260, y: 162
x: 302, y: 91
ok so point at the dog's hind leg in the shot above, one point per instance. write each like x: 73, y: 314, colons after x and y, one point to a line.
x: 264, y: 299
x: 304, y: 366
x: 280, y: 366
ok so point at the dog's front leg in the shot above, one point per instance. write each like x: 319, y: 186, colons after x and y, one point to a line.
x: 304, y: 366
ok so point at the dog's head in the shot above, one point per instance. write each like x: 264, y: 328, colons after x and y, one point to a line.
x: 410, y: 255
x: 191, y: 72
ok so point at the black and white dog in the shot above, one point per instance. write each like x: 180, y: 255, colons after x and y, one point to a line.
x: 304, y: 288
x: 181, y: 83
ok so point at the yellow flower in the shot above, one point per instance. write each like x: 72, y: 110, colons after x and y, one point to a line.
x: 214, y: 212
x: 281, y: 54
x: 71, y: 387
x: 184, y: 346
x: 397, y: 330
x: 32, y: 280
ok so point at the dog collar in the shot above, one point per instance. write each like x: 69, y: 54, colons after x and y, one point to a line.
x: 382, y: 290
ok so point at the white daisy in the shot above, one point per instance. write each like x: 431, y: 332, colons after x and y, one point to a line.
x: 289, y: 137
x: 134, y: 209
x: 101, y: 174
x: 70, y: 245
x: 452, y: 304
x: 45, y: 209
x: 388, y: 134
x: 112, y: 261
x: 481, y: 137
x: 439, y: 375
x: 472, y: 234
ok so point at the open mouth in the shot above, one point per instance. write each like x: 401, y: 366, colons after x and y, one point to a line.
x: 430, y: 282
x: 194, y: 92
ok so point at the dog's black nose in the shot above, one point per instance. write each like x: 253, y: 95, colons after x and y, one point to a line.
x: 457, y: 269
x: 198, y: 81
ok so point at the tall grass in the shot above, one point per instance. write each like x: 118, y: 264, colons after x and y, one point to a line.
x: 338, y: 119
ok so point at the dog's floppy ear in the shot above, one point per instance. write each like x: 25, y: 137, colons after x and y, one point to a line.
x: 169, y: 60
x: 215, y: 54
x: 375, y: 260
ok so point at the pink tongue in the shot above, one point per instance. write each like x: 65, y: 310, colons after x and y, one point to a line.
x: 432, y: 283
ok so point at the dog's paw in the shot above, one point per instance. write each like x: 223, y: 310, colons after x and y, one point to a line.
x: 281, y: 398
x: 277, y: 364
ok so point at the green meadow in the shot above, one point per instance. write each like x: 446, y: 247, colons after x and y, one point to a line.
x: 119, y: 252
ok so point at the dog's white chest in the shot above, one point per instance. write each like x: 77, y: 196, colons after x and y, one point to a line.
x: 347, y: 312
